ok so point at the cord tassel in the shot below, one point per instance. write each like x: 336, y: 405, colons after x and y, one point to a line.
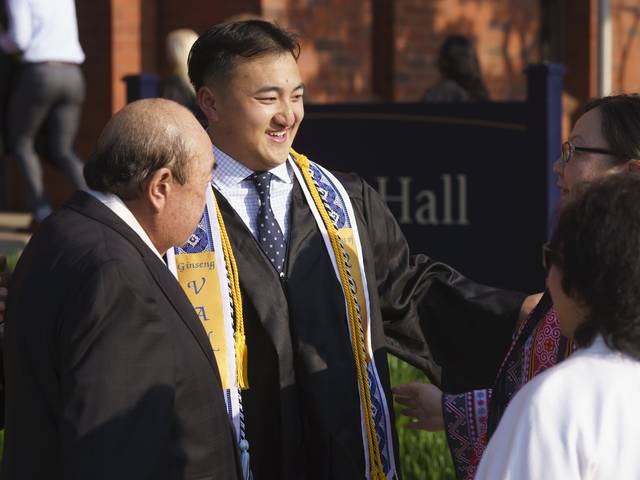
x: 240, y: 344
x: 241, y: 361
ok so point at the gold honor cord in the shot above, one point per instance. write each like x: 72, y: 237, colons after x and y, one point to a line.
x: 377, y: 472
x: 234, y: 284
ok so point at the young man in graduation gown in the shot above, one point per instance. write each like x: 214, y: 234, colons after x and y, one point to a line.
x: 109, y: 372
x: 327, y: 282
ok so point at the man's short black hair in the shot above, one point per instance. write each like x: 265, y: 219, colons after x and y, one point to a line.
x: 212, y: 56
x: 597, y: 248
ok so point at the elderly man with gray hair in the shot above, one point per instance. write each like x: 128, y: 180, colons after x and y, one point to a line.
x: 109, y: 372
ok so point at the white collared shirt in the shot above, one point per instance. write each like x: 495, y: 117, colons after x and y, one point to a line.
x: 230, y: 179
x: 577, y: 420
x: 117, y: 206
x: 44, y: 30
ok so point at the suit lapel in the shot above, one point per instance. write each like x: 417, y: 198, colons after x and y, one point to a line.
x: 87, y: 205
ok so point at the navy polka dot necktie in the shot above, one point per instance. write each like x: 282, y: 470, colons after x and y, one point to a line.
x: 270, y: 236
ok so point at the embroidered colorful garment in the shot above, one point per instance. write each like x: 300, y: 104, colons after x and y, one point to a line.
x: 470, y: 418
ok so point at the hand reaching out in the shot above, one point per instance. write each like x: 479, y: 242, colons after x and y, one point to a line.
x: 423, y: 403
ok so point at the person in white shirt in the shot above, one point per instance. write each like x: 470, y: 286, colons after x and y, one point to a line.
x: 48, y: 92
x: 578, y: 420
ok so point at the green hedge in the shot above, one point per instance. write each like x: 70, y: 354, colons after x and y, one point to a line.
x: 423, y: 455
x: 12, y: 259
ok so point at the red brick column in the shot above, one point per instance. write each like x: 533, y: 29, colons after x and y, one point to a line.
x: 581, y: 50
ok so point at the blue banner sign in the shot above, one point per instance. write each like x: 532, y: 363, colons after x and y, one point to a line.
x: 464, y: 181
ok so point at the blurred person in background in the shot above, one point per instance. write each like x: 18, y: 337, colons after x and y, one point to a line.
x: 604, y: 140
x: 460, y: 77
x: 48, y: 92
x: 578, y: 419
x: 177, y: 86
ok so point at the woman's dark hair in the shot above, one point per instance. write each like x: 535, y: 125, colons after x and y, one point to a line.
x: 596, y: 245
x: 212, y: 56
x: 458, y: 61
x: 620, y: 124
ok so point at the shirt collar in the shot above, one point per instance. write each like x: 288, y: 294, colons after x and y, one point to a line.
x: 117, y: 206
x: 282, y: 172
x: 229, y: 172
x: 598, y: 346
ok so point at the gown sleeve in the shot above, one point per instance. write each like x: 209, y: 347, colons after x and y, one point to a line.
x: 456, y: 330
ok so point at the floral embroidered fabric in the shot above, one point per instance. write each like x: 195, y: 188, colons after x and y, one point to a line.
x: 471, y: 417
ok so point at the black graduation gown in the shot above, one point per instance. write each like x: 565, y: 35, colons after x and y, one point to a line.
x: 302, y: 407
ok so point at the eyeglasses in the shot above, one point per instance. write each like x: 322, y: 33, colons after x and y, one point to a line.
x: 549, y: 257
x: 568, y: 149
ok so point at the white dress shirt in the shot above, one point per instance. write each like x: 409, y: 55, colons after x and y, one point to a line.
x: 230, y: 179
x: 44, y: 30
x: 577, y: 420
x: 117, y: 206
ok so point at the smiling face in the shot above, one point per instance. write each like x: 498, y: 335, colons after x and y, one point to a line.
x: 585, y: 166
x: 255, y: 115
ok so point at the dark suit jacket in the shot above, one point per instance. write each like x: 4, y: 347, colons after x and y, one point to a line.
x: 302, y: 407
x: 109, y: 372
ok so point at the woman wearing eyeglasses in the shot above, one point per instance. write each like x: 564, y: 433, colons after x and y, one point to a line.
x: 604, y: 140
x: 579, y: 419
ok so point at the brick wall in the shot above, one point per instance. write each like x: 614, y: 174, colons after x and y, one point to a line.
x: 94, y: 24
x: 195, y: 14
x: 126, y: 43
x: 336, y: 45
x: 505, y: 33
x: 579, y: 52
x: 626, y: 44
x: 394, y: 44
x: 349, y: 48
